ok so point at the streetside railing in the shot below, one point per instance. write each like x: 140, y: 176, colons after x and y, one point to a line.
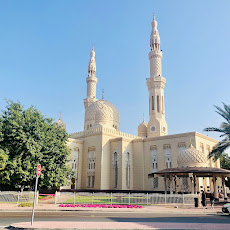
x: 17, y: 197
x: 123, y: 198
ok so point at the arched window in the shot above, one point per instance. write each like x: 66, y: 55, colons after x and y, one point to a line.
x: 153, y: 103
x: 149, y: 105
x: 162, y: 104
x: 91, y: 168
x: 168, y: 156
x: 158, y: 105
x: 128, y: 170
x: 115, y: 169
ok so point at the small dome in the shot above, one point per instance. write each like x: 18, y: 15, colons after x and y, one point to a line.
x: 142, y: 129
x: 60, y: 123
x: 191, y: 157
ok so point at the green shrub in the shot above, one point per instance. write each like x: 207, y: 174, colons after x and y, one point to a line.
x: 25, y: 205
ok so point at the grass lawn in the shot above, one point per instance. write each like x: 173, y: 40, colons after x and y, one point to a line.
x: 105, y: 200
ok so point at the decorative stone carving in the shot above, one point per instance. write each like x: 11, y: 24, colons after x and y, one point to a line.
x: 167, y: 146
x: 91, y: 148
x: 191, y: 157
x: 153, y: 147
x: 181, y: 144
x: 102, y: 110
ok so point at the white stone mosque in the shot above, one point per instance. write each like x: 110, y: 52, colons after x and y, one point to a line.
x: 104, y: 158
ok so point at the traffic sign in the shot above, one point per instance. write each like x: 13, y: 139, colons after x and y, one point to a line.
x: 38, y: 170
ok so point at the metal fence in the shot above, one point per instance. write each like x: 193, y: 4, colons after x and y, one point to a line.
x: 123, y: 198
x: 17, y: 197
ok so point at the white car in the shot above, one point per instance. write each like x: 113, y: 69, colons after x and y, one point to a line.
x: 226, y: 208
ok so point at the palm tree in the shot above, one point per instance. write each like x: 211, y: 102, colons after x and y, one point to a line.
x: 224, y: 129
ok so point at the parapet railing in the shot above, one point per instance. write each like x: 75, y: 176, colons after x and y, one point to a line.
x: 104, y: 130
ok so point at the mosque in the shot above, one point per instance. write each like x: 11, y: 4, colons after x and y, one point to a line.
x: 104, y: 158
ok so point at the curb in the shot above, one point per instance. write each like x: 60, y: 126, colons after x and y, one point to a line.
x: 104, y: 211
x: 116, y: 211
x: 12, y: 227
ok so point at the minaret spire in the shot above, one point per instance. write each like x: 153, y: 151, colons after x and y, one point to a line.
x: 157, y: 125
x: 91, y: 80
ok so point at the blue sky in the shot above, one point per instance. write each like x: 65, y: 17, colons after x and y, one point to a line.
x: 45, y: 46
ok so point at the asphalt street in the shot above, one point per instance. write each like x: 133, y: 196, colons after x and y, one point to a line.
x: 7, y: 218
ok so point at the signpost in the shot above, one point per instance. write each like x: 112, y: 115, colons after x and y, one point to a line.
x: 38, y: 172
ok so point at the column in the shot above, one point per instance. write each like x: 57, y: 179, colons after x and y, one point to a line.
x: 192, y: 185
x: 165, y: 182
x: 224, y: 188
x: 171, y: 184
x: 215, y: 188
x: 204, y: 185
x: 195, y: 189
x: 175, y: 180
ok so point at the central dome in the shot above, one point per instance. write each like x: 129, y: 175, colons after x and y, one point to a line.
x: 102, y: 111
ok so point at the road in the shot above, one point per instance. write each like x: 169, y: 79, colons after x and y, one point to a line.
x: 8, y: 218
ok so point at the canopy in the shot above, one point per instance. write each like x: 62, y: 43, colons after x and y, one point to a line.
x: 198, y: 171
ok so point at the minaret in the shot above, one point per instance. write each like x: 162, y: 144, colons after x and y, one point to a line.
x: 91, y: 81
x: 157, y: 125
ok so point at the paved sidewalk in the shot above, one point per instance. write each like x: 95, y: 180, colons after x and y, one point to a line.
x: 118, y: 225
x: 146, y: 209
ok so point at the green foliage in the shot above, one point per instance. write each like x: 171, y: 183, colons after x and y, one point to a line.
x: 225, y: 164
x: 3, y: 159
x: 224, y: 131
x: 29, y: 138
x: 225, y: 161
x: 3, y: 154
x: 25, y: 205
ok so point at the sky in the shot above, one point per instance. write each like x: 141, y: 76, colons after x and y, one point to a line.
x: 45, y: 50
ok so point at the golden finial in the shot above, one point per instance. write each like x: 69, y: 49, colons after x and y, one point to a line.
x: 60, y: 116
x: 153, y: 16
x: 103, y: 94
x: 92, y: 47
x: 143, y: 117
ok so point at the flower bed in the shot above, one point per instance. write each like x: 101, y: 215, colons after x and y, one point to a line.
x: 99, y: 206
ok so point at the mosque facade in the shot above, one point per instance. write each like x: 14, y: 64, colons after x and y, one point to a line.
x: 104, y: 158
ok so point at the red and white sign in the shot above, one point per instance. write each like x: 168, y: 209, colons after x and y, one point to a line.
x: 38, y: 170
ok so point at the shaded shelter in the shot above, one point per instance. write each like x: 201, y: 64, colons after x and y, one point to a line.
x: 193, y: 173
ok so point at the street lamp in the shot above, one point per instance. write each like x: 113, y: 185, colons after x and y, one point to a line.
x: 75, y: 173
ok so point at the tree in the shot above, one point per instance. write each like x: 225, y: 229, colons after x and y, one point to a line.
x: 225, y: 164
x: 28, y: 138
x: 3, y: 154
x: 224, y: 130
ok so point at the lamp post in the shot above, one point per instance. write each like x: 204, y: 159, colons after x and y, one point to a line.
x: 75, y: 174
